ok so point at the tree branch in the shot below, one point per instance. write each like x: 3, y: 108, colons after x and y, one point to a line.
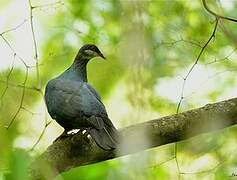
x: 78, y: 150
x: 215, y: 14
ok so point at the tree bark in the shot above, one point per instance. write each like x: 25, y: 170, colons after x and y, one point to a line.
x: 78, y: 150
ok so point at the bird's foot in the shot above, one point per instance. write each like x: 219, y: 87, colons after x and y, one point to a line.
x: 67, y: 134
x: 73, y: 132
x: 85, y: 133
x: 62, y: 136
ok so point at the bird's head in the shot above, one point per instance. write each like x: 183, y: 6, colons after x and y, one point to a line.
x: 90, y: 51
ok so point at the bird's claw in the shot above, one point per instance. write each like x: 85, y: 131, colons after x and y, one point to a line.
x: 62, y: 136
x: 83, y: 132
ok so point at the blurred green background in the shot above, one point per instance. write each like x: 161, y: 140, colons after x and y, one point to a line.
x: 150, y: 46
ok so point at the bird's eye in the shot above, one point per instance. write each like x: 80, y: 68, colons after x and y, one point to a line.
x: 90, y: 53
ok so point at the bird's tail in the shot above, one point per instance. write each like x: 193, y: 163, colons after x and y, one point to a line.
x: 106, y: 137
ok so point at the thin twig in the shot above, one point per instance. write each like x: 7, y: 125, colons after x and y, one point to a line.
x: 47, y: 123
x: 204, y: 171
x: 41, y: 135
x: 14, y: 52
x: 181, y: 40
x: 196, y: 62
x: 14, y: 28
x: 49, y: 4
x: 162, y: 163
x: 19, y: 85
x: 7, y: 81
x: 222, y: 59
x: 21, y: 102
x: 176, y: 158
x: 29, y: 111
x: 35, y: 45
x: 215, y: 14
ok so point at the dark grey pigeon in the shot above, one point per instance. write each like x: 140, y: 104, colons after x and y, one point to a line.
x: 75, y: 104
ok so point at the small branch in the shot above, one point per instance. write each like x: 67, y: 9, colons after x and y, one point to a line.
x: 78, y: 150
x: 21, y: 102
x: 19, y: 85
x: 195, y: 63
x: 7, y: 85
x: 215, y: 14
x: 222, y: 59
x: 204, y: 171
x: 41, y: 135
x: 48, y: 5
x: 35, y: 45
x: 47, y: 123
x: 14, y: 28
x: 176, y: 158
x: 171, y: 43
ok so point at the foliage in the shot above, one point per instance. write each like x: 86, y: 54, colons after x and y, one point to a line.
x: 150, y: 46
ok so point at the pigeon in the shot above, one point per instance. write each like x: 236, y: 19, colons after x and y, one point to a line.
x: 75, y: 104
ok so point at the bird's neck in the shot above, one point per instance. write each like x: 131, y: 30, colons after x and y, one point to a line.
x: 79, y: 65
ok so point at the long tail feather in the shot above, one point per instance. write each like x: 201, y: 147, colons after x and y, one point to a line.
x: 106, y: 138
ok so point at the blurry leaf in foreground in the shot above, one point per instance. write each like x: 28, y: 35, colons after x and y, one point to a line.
x: 18, y: 166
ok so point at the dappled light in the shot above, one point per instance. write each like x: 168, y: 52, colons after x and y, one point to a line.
x: 163, y: 58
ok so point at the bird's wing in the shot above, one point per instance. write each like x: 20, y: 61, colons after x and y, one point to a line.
x: 70, y: 99
x: 94, y: 92
x: 104, y: 115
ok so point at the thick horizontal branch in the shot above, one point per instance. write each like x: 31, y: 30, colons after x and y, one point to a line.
x: 78, y: 150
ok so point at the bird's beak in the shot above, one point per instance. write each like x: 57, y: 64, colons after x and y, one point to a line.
x: 101, y: 55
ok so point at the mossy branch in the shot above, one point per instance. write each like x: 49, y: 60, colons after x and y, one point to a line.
x: 78, y: 150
